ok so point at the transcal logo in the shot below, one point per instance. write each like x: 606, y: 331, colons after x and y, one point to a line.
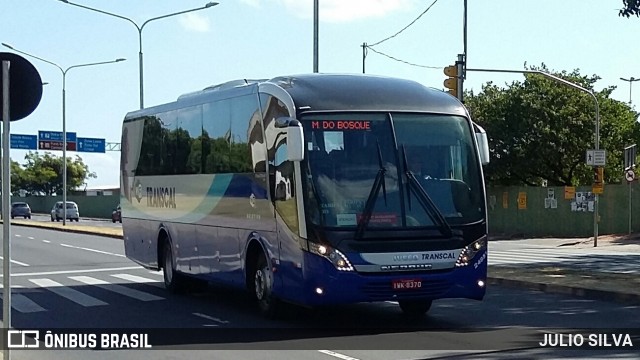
x: 161, y: 197
x: 439, y: 256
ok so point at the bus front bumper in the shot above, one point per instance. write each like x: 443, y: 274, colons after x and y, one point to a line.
x: 326, y: 285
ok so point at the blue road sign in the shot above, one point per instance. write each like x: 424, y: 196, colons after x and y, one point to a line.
x: 91, y: 145
x: 55, y: 136
x: 25, y: 142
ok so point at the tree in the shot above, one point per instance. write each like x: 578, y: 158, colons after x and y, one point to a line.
x: 43, y: 173
x: 631, y: 7
x: 539, y: 130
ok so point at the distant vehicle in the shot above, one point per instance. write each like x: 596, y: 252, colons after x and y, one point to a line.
x: 20, y: 209
x: 57, y: 212
x: 116, y: 215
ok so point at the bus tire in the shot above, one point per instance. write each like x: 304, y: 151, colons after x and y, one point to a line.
x: 415, y: 307
x: 262, y: 288
x: 173, y: 281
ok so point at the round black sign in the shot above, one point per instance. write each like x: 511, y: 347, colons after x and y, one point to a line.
x: 25, y: 86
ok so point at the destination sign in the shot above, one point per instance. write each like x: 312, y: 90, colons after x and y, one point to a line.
x: 55, y: 145
x: 341, y: 124
x: 25, y: 142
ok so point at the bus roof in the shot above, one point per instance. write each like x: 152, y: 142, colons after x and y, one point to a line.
x: 327, y: 92
x: 330, y: 92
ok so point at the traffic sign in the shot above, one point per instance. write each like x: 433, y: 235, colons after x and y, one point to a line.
x: 91, y: 145
x: 55, y: 145
x: 24, y: 142
x: 596, y: 157
x: 629, y: 175
x: 630, y: 157
x: 56, y: 136
x: 52, y: 140
x: 25, y: 86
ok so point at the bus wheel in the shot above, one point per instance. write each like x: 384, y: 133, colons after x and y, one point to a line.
x: 263, y: 282
x: 173, y: 281
x: 415, y: 307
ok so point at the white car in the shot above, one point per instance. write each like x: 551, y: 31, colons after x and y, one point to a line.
x: 57, y: 212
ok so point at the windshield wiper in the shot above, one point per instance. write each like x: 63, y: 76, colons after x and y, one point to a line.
x: 432, y: 210
x: 373, y: 195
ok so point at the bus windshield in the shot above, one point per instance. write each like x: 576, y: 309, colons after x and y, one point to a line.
x: 415, y: 170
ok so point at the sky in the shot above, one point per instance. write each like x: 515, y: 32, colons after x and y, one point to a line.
x: 261, y: 39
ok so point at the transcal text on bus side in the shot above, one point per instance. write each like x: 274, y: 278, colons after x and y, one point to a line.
x: 341, y: 125
x: 161, y: 197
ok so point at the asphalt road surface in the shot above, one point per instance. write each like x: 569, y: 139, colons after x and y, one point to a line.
x: 75, y: 281
x: 83, y: 221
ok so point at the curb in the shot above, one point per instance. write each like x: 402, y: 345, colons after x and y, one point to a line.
x: 592, y: 294
x: 76, y: 231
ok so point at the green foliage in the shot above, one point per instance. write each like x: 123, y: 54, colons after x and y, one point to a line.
x: 631, y: 7
x: 539, y: 130
x: 43, y: 173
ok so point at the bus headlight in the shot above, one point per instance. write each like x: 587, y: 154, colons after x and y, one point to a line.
x: 338, y: 259
x: 470, y: 251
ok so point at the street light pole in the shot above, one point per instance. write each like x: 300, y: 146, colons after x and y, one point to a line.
x: 139, y: 28
x: 630, y: 81
x: 316, y: 20
x: 64, y: 118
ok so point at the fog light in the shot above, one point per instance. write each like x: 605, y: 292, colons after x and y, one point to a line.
x: 319, y: 291
x: 480, y: 283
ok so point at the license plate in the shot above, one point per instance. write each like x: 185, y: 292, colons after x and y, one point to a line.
x: 406, y: 284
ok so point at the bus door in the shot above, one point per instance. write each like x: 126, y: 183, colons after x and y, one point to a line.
x: 282, y: 189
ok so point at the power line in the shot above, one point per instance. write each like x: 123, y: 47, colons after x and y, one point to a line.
x: 403, y: 61
x: 406, y: 27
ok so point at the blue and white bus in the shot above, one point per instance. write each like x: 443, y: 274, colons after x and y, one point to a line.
x: 312, y: 189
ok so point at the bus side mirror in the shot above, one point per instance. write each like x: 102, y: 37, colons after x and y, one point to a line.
x: 295, y: 141
x: 483, y: 144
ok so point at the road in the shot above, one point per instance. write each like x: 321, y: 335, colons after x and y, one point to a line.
x: 84, y: 221
x: 75, y: 281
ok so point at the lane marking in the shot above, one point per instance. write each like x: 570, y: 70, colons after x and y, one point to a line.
x: 134, y: 278
x: 24, y: 305
x: 211, y: 318
x: 17, y: 235
x: 75, y: 271
x: 31, y: 238
x: 337, y: 355
x: 15, y: 262
x: 46, y: 241
x: 92, y: 250
x: 69, y: 293
x: 122, y: 290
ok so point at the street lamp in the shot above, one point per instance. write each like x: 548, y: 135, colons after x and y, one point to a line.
x: 630, y: 80
x: 64, y: 121
x: 208, y: 5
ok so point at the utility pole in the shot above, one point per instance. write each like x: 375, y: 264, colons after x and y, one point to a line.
x: 364, y: 54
